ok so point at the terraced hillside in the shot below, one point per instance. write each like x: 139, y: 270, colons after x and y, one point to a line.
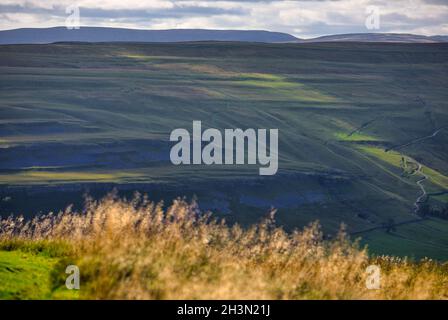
x: 355, y: 121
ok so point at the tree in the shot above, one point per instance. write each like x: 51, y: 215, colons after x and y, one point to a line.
x: 424, y: 209
x: 389, y: 225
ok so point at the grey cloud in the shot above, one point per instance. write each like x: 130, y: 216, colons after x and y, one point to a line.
x: 437, y: 2
x: 177, y: 11
x: 27, y: 8
x: 406, y: 22
x: 242, y: 16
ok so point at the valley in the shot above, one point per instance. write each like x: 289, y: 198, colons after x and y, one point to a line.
x: 361, y: 131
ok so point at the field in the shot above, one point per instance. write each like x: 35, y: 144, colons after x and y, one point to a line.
x: 85, y: 118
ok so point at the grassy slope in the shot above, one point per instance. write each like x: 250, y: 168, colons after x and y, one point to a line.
x: 102, y: 113
x: 419, y: 236
x: 26, y: 274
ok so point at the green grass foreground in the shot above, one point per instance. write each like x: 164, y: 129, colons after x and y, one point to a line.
x: 136, y: 249
x: 26, y: 274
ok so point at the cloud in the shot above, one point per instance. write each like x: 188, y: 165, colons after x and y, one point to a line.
x: 302, y: 18
x: 437, y: 2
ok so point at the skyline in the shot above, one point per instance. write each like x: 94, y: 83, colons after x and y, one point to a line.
x: 300, y: 18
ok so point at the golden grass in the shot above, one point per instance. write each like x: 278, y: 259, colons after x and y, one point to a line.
x: 137, y: 250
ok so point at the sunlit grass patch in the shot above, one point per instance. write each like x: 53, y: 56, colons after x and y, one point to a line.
x: 192, y: 68
x: 225, y: 83
x: 139, y: 57
x: 34, y: 269
x: 37, y: 176
x: 276, y: 90
x: 261, y: 76
x: 269, y: 84
x: 391, y: 157
x: 241, y: 85
x: 149, y: 58
x: 26, y: 275
x: 436, y: 177
x: 4, y: 144
x: 355, y: 137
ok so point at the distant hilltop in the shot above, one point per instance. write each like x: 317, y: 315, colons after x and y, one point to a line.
x: 99, y: 34
x: 380, y: 37
x: 103, y: 34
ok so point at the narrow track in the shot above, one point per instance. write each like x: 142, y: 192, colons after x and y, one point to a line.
x: 422, y: 197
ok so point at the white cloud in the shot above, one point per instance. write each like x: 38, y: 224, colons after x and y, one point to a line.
x: 299, y: 17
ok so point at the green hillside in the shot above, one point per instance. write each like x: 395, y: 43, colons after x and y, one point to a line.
x: 79, y: 118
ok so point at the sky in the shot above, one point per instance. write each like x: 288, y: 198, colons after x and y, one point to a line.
x: 301, y: 18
